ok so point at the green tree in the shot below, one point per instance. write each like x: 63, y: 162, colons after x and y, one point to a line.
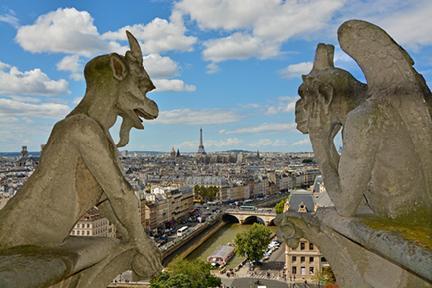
x: 326, y: 276
x: 186, y: 274
x: 253, y: 243
x: 280, y: 206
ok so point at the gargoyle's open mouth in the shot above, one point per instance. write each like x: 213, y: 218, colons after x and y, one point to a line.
x: 143, y: 114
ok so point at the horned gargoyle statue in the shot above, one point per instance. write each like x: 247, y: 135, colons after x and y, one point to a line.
x: 386, y: 160
x: 78, y: 170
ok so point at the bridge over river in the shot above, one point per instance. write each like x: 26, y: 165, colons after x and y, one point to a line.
x: 261, y: 215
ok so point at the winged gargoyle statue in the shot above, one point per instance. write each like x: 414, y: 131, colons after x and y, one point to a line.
x: 79, y: 169
x: 387, y: 125
x: 386, y: 162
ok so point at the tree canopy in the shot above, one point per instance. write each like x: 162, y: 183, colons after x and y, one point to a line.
x: 206, y: 193
x: 186, y: 274
x: 280, y: 206
x: 253, y: 243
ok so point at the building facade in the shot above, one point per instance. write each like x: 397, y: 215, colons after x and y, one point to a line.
x: 304, y: 262
x: 93, y: 224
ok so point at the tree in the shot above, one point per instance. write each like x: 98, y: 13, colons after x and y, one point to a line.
x: 206, y: 193
x: 280, y: 206
x: 186, y: 274
x: 253, y: 243
x: 326, y: 276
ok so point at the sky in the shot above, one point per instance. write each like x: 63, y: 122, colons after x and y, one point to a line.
x: 231, y: 67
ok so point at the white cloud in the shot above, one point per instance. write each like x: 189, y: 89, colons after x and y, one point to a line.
x: 266, y: 127
x: 197, y: 117
x: 16, y: 108
x: 301, y: 142
x: 72, y: 64
x: 408, y: 22
x: 32, y: 82
x: 225, y: 14
x: 64, y: 30
x: 174, y: 85
x: 284, y: 105
x: 295, y: 70
x: 77, y: 100
x: 158, y: 35
x: 239, y: 46
x: 10, y: 19
x: 268, y: 142
x: 411, y: 27
x: 260, y: 26
x: 212, y: 68
x: 160, y: 66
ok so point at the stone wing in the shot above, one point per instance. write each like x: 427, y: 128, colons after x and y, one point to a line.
x: 392, y: 80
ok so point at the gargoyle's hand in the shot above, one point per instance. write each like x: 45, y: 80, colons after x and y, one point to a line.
x: 147, y: 262
x: 287, y: 230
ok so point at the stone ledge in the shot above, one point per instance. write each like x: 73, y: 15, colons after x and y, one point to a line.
x: 388, y: 245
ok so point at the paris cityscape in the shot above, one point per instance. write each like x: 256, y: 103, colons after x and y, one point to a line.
x: 167, y: 184
x: 216, y: 144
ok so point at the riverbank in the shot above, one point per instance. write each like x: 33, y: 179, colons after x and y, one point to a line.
x: 192, y: 241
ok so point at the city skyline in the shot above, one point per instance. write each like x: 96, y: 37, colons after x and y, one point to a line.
x: 226, y: 66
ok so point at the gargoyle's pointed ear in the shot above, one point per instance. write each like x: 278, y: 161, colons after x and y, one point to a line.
x: 118, y: 67
x: 324, y: 55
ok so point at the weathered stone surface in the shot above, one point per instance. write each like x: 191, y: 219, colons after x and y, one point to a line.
x: 359, y: 256
x: 384, y: 170
x: 79, y: 170
x: 387, y: 125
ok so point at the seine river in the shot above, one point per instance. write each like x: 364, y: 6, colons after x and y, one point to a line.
x: 225, y: 235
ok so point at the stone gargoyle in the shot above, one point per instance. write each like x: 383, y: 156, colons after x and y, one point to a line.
x: 79, y: 169
x: 384, y: 169
x: 386, y: 161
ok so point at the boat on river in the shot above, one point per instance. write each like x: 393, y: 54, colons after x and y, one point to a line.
x: 222, y: 255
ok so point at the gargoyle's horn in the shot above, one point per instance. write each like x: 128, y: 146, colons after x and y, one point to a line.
x: 134, y: 46
x: 323, y: 57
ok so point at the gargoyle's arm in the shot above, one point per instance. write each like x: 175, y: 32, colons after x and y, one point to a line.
x: 346, y: 177
x: 328, y: 159
x: 107, y: 211
x: 96, y: 152
x: 357, y: 159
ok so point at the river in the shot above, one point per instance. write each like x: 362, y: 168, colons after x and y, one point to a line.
x: 225, y: 235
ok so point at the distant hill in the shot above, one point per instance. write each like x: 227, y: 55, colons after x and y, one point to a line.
x: 239, y: 151
x: 16, y: 154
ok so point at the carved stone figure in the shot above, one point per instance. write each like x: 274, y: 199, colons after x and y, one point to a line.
x: 386, y: 160
x: 384, y: 169
x: 79, y: 170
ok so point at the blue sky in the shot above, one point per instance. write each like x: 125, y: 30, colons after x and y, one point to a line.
x: 231, y: 67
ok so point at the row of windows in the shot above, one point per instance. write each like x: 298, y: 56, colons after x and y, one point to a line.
x: 302, y: 270
x: 89, y: 225
x: 302, y: 259
x: 303, y: 246
x: 79, y: 232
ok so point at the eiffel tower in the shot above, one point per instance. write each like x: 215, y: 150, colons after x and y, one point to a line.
x: 201, y: 150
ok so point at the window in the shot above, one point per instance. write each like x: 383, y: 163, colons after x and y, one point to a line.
x: 294, y: 270
x: 294, y: 258
x: 302, y: 246
x: 303, y: 270
x: 302, y: 259
x: 323, y: 259
x: 311, y: 259
x: 311, y: 270
x: 311, y: 246
x: 88, y: 232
